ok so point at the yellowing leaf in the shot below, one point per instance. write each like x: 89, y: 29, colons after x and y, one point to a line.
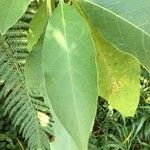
x: 119, y: 77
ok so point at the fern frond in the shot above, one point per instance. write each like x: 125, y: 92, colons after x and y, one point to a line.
x: 20, y: 105
x: 24, y: 108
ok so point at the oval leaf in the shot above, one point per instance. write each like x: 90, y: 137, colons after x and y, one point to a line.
x: 123, y: 23
x: 70, y: 73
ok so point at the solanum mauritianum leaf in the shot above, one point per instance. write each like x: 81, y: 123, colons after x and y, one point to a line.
x: 70, y: 72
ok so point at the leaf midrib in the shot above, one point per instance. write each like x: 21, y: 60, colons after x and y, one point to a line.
x: 69, y: 67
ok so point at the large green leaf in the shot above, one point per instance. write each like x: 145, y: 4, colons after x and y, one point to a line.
x: 10, y: 12
x: 124, y: 23
x: 119, y: 76
x: 70, y: 73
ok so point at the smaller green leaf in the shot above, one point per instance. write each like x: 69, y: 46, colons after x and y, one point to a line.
x: 35, y: 81
x: 11, y: 11
x: 33, y: 70
x: 35, y: 85
x: 38, y: 24
x: 119, y: 77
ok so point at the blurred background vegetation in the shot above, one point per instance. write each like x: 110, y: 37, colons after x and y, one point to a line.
x: 111, y: 131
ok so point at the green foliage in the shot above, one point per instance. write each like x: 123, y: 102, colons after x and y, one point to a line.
x: 55, y: 68
x: 9, y: 138
x: 145, y: 85
x: 106, y: 122
x: 114, y: 131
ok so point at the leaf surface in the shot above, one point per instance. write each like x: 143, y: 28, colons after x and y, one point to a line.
x: 124, y: 23
x: 10, y: 12
x: 119, y: 76
x: 70, y: 73
x: 62, y: 138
